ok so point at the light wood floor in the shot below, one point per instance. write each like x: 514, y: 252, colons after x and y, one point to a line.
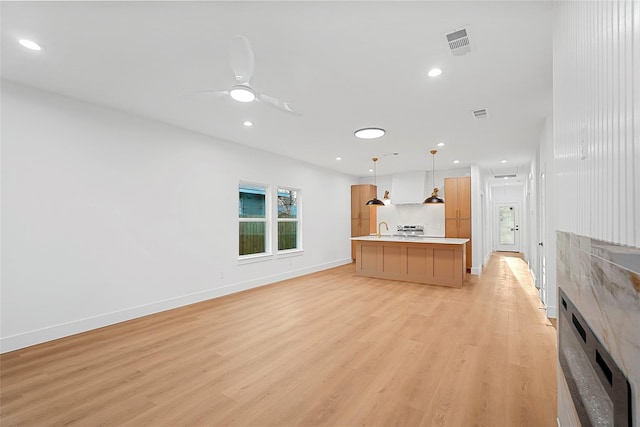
x: 330, y: 348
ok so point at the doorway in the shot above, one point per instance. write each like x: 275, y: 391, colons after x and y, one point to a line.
x: 507, y: 230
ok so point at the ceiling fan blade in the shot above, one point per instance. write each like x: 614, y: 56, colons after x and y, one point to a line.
x: 241, y: 59
x: 206, y: 91
x: 279, y: 104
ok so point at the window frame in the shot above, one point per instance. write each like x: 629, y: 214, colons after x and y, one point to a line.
x: 298, y: 220
x: 267, y: 220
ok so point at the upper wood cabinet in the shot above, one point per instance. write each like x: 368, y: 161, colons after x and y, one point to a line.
x: 363, y: 217
x: 457, y: 195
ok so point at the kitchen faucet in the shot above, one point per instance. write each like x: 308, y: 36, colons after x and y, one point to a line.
x: 379, y: 225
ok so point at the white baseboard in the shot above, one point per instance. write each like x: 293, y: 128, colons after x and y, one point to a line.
x: 552, y: 312
x: 533, y: 276
x: 486, y: 258
x: 476, y: 270
x: 54, y: 332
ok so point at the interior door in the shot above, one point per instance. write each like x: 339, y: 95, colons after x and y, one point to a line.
x: 507, y: 236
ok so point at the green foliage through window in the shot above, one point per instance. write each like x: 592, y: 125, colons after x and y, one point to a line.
x: 253, y: 220
x: 287, y: 219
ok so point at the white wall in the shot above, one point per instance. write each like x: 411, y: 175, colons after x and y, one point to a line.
x: 596, y: 57
x: 107, y: 216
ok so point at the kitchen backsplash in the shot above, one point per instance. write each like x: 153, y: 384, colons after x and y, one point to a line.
x: 430, y: 216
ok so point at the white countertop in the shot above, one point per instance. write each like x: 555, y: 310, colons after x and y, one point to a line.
x: 400, y: 239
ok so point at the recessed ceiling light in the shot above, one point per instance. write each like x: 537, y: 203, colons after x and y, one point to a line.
x: 370, y: 170
x: 456, y: 161
x: 30, y: 44
x: 369, y: 133
x: 434, y: 72
x: 242, y: 93
x: 503, y: 161
x: 506, y: 177
x: 338, y: 158
x: 247, y: 123
x: 440, y: 144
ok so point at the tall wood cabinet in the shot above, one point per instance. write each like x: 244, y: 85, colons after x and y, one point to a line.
x: 363, y: 217
x: 457, y: 210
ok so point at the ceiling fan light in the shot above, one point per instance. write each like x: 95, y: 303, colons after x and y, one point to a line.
x: 242, y: 94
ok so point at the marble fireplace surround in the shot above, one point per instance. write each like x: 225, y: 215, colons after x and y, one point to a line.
x: 603, y: 281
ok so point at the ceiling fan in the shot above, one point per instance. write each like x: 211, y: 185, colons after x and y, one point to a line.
x: 242, y: 62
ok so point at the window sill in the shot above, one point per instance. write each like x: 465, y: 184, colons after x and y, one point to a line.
x: 290, y: 253
x: 250, y: 259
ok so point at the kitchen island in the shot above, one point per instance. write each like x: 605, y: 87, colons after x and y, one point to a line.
x: 430, y: 260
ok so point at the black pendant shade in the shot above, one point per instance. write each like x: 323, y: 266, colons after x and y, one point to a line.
x: 433, y: 199
x: 434, y: 196
x: 375, y: 201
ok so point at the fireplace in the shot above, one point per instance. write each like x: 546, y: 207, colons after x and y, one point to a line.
x: 600, y: 392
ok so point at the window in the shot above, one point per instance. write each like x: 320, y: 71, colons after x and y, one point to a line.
x: 288, y: 219
x: 252, y: 216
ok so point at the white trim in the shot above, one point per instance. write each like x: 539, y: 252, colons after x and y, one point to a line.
x: 290, y: 253
x: 39, y: 336
x: 476, y: 270
x: 533, y: 277
x: 250, y: 259
x: 552, y: 312
x: 486, y: 258
x: 297, y: 220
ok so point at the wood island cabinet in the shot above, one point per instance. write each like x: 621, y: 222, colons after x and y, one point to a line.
x: 434, y: 261
x: 457, y: 210
x: 363, y: 217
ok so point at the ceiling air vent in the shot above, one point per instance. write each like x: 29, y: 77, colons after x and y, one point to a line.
x: 480, y: 114
x: 458, y: 42
x: 511, y: 175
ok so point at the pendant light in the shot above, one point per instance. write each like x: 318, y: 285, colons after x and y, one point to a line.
x: 375, y: 201
x: 434, y: 196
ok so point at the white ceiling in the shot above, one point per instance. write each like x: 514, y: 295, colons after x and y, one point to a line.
x: 345, y: 65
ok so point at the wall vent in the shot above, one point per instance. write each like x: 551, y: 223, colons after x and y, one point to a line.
x: 480, y: 114
x: 511, y: 175
x: 458, y: 42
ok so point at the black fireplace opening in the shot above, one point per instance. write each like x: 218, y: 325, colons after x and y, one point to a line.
x: 600, y: 391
